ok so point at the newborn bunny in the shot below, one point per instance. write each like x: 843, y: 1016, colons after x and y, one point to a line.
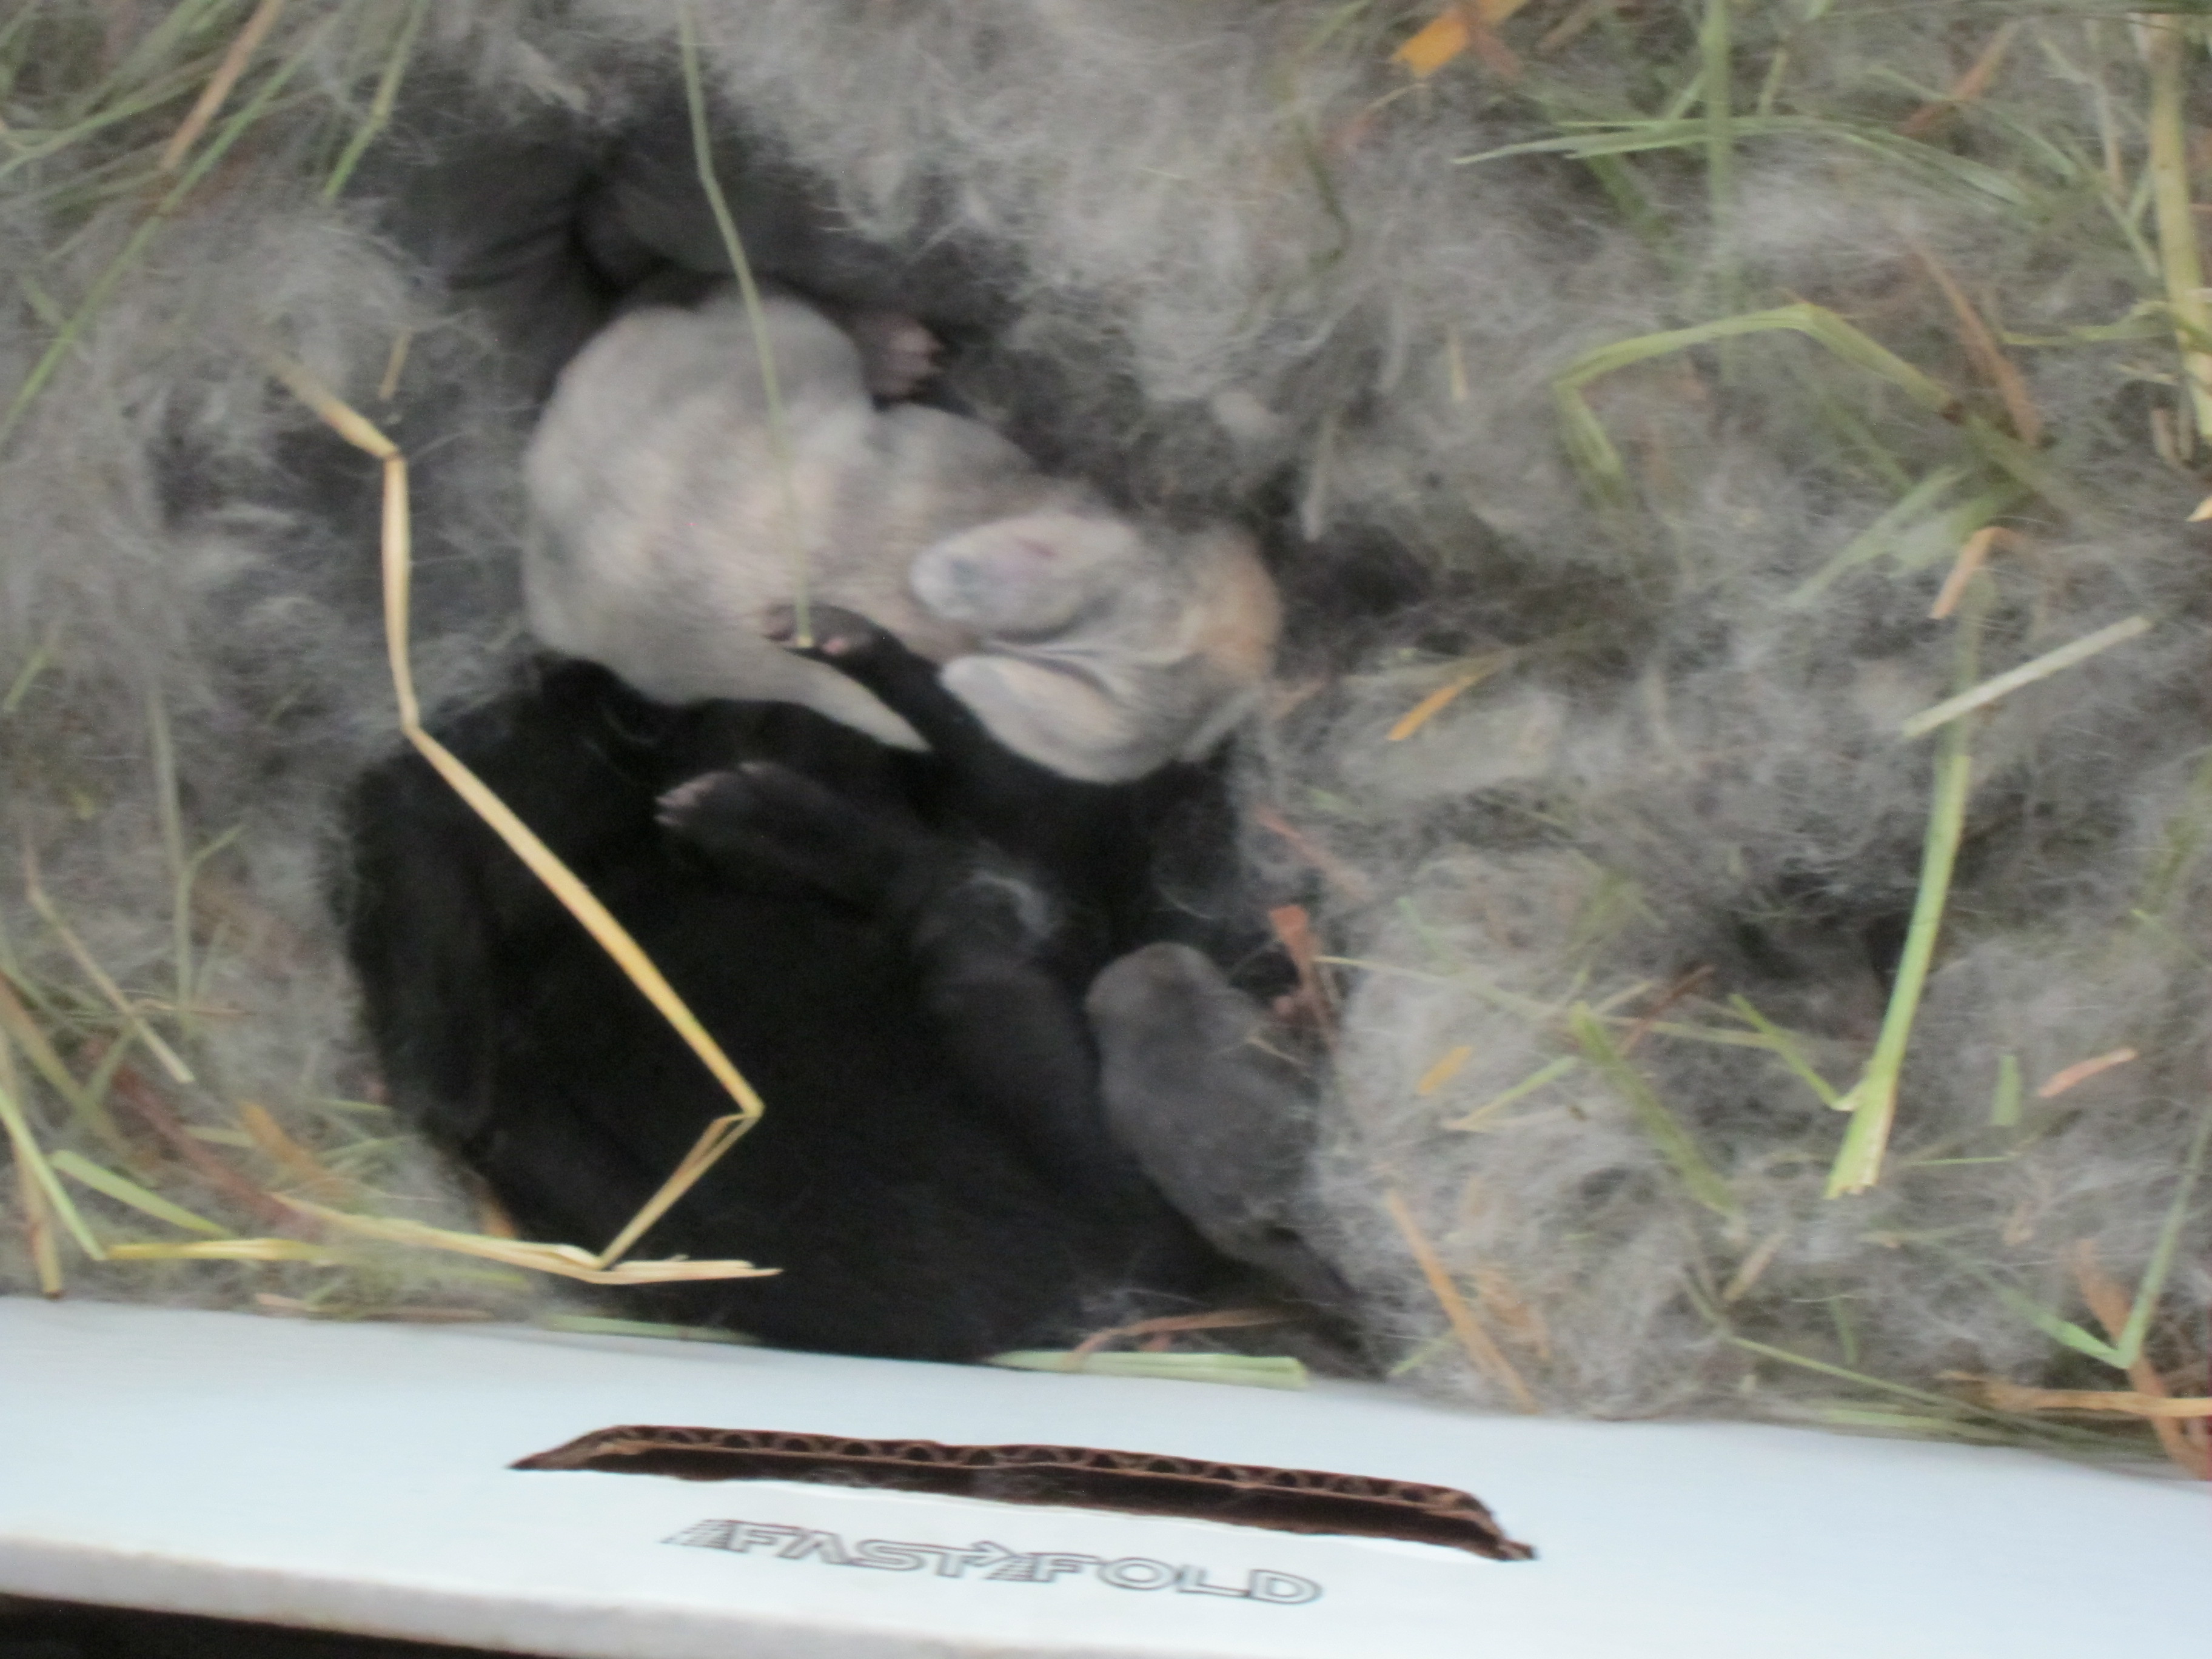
x: 668, y: 525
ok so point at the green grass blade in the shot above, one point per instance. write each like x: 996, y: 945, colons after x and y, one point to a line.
x: 380, y: 105
x: 1244, y: 1371
x: 126, y: 1191
x: 2169, y: 1242
x: 1593, y: 452
x: 596, y: 1325
x: 1786, y: 1048
x: 1675, y: 1143
x: 34, y: 1159
x: 2004, y: 1099
x: 1873, y: 1098
x: 779, y: 434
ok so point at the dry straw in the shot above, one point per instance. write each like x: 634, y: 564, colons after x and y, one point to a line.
x: 1994, y: 483
x: 165, y: 60
x: 207, y: 72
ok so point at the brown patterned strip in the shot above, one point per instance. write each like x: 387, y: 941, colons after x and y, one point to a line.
x: 1081, y: 1477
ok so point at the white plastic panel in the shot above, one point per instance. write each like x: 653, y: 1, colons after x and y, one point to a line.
x: 355, y: 1477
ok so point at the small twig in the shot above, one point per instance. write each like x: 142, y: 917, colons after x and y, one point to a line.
x: 1333, y: 870
x: 218, y: 88
x: 395, y: 365
x: 1443, y: 1071
x: 1294, y: 929
x: 1429, y: 707
x: 1974, y: 554
x: 36, y: 892
x: 2042, y: 667
x: 155, y: 1113
x: 2184, y: 1442
x: 1966, y: 89
x: 2081, y: 1072
x: 1570, y: 27
x: 1983, y: 348
x: 1220, y: 1320
x: 2000, y: 1396
x: 1682, y: 986
x: 1488, y: 1357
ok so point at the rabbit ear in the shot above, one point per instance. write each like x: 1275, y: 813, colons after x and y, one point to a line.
x: 1070, y: 725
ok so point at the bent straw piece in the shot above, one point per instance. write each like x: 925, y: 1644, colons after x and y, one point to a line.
x: 715, y: 1139
x: 341, y: 417
x: 580, y: 903
x: 1784, y: 1046
x: 611, y: 936
x: 2051, y: 662
x: 779, y: 432
x: 1748, y: 1273
x: 219, y: 85
x: 36, y: 892
x: 564, y: 1259
x: 1488, y: 1357
x: 2129, y: 1339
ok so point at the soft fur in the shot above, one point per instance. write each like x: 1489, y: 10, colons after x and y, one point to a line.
x: 670, y: 522
x: 1227, y: 261
x: 895, y: 946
